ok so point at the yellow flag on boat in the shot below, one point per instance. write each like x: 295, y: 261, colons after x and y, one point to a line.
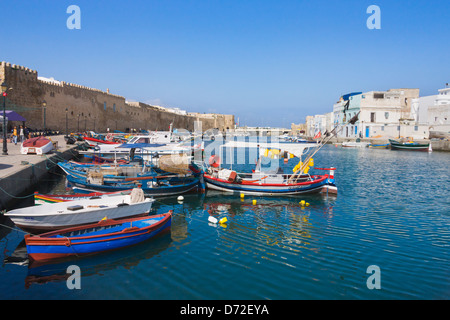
x: 297, y: 167
x: 105, y: 218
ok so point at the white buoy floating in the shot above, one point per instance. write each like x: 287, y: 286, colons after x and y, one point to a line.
x: 180, y: 198
x: 215, y: 221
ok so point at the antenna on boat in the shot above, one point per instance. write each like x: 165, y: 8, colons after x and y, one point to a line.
x: 325, y: 139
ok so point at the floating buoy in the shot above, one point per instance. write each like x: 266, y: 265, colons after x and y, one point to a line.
x: 242, y: 195
x: 212, y: 219
x: 254, y: 202
x: 307, y: 204
x: 223, y: 220
x: 180, y: 198
x: 302, y: 203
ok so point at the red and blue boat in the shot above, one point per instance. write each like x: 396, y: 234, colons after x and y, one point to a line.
x: 272, y: 181
x: 106, y: 235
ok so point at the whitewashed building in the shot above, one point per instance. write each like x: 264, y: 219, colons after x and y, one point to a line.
x: 433, y: 112
x: 382, y: 114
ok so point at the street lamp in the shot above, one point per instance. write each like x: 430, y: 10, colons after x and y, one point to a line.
x: 44, y: 106
x: 67, y: 131
x: 4, y: 88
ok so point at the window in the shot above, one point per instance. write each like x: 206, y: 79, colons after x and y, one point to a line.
x: 372, y: 117
x: 386, y: 115
x: 104, y: 105
x: 382, y: 128
x: 378, y: 95
x: 416, y: 128
x: 114, y: 107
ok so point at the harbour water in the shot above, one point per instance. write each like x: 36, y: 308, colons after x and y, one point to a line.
x: 391, y: 211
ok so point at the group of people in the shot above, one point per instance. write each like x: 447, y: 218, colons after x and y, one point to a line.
x: 20, y: 135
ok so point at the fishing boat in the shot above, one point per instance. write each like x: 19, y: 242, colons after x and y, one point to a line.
x: 55, y: 198
x: 409, y: 145
x: 379, y: 146
x: 355, y: 144
x: 272, y: 181
x: 99, y: 142
x: 108, y: 171
x: 74, y: 213
x: 154, y: 186
x: 103, y: 236
x: 37, y: 145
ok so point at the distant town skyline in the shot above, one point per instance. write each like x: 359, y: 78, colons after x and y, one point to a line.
x: 269, y: 63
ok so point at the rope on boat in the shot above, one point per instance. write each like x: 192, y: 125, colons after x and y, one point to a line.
x: 322, y: 143
x: 16, y: 197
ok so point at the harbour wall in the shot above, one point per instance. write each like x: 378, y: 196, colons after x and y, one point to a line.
x: 436, y: 145
x: 21, y: 173
x: 82, y: 107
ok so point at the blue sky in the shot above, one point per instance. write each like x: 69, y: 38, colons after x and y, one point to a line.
x: 269, y: 63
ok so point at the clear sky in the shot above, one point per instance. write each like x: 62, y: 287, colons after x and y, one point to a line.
x: 269, y: 63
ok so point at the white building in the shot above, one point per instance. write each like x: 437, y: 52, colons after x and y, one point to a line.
x: 382, y: 114
x: 433, y: 111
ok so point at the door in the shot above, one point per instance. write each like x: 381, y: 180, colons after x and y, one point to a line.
x: 367, y: 132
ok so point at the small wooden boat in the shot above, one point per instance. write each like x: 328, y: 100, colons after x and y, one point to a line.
x: 413, y: 146
x: 74, y: 213
x: 273, y: 185
x: 95, y: 142
x: 154, y: 186
x: 354, y: 144
x: 37, y: 145
x: 379, y: 146
x: 266, y: 182
x: 106, y: 235
x: 55, y: 198
x: 109, y: 171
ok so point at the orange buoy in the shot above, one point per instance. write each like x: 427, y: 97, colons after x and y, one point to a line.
x: 214, y: 161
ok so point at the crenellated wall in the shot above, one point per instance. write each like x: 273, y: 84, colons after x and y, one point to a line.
x: 89, y: 108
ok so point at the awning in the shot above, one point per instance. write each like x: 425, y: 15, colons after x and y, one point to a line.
x: 13, y: 116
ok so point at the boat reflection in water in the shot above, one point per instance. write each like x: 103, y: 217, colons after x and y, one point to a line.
x: 264, y: 225
x: 39, y: 273
x: 274, y: 227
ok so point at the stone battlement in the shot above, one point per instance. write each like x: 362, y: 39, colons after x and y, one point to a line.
x: 82, y: 107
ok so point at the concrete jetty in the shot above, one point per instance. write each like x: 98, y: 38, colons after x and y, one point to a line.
x: 19, y: 173
x: 436, y: 144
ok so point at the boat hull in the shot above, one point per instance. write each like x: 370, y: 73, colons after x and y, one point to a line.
x: 322, y: 185
x: 38, y: 145
x: 395, y: 145
x: 124, y: 233
x: 157, y: 191
x: 55, y: 198
x: 58, y: 216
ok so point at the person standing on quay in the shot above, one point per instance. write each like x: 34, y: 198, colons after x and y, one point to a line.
x: 14, y: 135
x: 22, y: 136
x: 26, y: 132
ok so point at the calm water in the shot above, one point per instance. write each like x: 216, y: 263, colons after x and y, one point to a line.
x: 392, y: 211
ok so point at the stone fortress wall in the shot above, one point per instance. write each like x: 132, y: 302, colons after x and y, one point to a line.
x: 89, y: 108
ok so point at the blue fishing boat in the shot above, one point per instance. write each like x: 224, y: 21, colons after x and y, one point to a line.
x: 109, y: 172
x: 155, y: 186
x: 106, y: 235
